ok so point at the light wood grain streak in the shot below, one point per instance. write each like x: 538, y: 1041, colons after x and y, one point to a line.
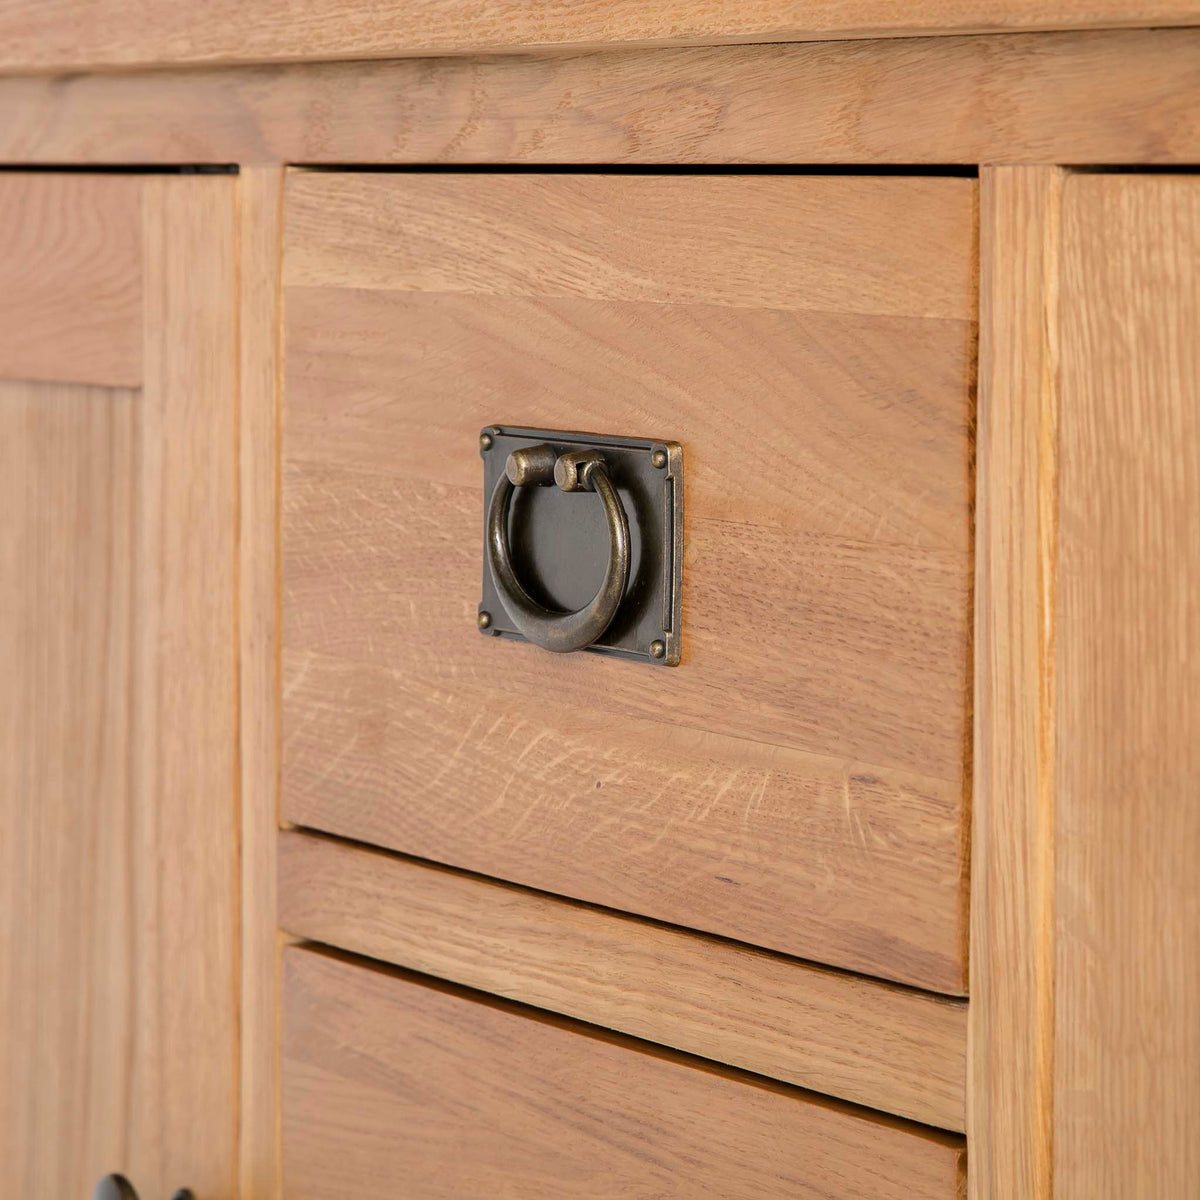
x: 260, y: 232
x: 184, y: 733
x: 496, y: 1100
x: 1009, y: 1101
x: 71, y: 278
x: 1099, y: 97
x: 889, y: 1048
x: 1127, y: 770
x: 69, y: 870
x: 62, y: 34
x: 890, y: 246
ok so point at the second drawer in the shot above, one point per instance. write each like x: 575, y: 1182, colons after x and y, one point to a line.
x: 396, y: 1087
x: 797, y: 782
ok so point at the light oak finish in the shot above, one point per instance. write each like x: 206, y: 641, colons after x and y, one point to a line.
x: 887, y: 1047
x: 1084, y: 1051
x: 775, y: 327
x: 67, y: 847
x: 260, y: 214
x: 118, y: 823
x: 1012, y: 887
x: 71, y: 278
x: 495, y: 1100
x: 1127, y: 692
x: 185, y: 754
x: 62, y: 34
x: 820, y: 244
x: 1101, y: 97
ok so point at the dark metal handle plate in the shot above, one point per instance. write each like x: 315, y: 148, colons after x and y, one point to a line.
x: 567, y: 573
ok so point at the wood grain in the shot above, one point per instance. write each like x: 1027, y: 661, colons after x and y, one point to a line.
x: 824, y: 244
x: 887, y: 1047
x: 1009, y: 1111
x: 821, y: 701
x: 493, y: 1100
x: 71, y: 278
x: 1127, y: 692
x: 184, y: 734
x: 64, y: 34
x: 118, y: 821
x: 260, y: 214
x: 69, y: 868
x: 1099, y: 97
x: 1083, y: 1052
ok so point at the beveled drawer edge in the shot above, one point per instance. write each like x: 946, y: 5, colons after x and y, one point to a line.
x: 887, y: 1047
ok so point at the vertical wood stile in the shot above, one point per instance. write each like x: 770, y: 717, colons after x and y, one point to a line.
x: 1009, y: 1019
x: 1127, y: 693
x: 184, y: 737
x: 260, y: 192
x: 1083, y: 1046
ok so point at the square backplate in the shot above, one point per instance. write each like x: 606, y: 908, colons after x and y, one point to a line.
x: 559, y: 540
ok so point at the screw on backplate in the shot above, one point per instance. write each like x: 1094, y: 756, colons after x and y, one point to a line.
x: 485, y: 620
x: 659, y: 459
x: 486, y: 441
x: 658, y: 649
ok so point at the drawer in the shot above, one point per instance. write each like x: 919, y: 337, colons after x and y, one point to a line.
x: 797, y: 782
x: 394, y: 1086
x: 895, y: 1049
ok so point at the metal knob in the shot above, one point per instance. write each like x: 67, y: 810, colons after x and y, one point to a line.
x: 117, y: 1187
x: 578, y: 471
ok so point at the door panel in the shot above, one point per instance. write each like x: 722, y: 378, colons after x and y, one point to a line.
x: 118, y: 826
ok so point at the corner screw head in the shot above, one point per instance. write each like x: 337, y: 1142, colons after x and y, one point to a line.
x: 485, y: 620
x: 659, y: 459
x: 486, y: 441
x: 658, y: 649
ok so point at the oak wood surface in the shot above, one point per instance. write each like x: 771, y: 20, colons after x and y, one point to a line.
x: 494, y: 1100
x: 68, y: 34
x: 1011, y: 1023
x: 883, y: 1046
x: 1083, y: 1051
x: 118, y: 821
x: 71, y: 278
x: 68, y: 858
x: 260, y: 205
x: 184, y: 738
x: 820, y: 244
x: 1096, y: 97
x: 821, y: 702
x: 1127, y: 692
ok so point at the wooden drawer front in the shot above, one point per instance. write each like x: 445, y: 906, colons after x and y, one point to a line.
x: 896, y: 1049
x: 396, y: 1088
x: 797, y: 782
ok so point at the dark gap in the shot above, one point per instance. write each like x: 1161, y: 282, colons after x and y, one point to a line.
x: 963, y: 172
x: 121, y: 169
x: 384, y: 852
x: 627, y: 1041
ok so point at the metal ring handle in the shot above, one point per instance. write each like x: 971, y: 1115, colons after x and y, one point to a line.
x: 117, y: 1187
x: 574, y: 472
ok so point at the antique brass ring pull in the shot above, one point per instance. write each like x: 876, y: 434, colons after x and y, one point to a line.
x: 579, y: 471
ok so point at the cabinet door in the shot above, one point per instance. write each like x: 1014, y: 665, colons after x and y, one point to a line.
x: 117, y: 699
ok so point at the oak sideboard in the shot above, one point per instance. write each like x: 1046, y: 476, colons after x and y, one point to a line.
x: 809, y: 807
